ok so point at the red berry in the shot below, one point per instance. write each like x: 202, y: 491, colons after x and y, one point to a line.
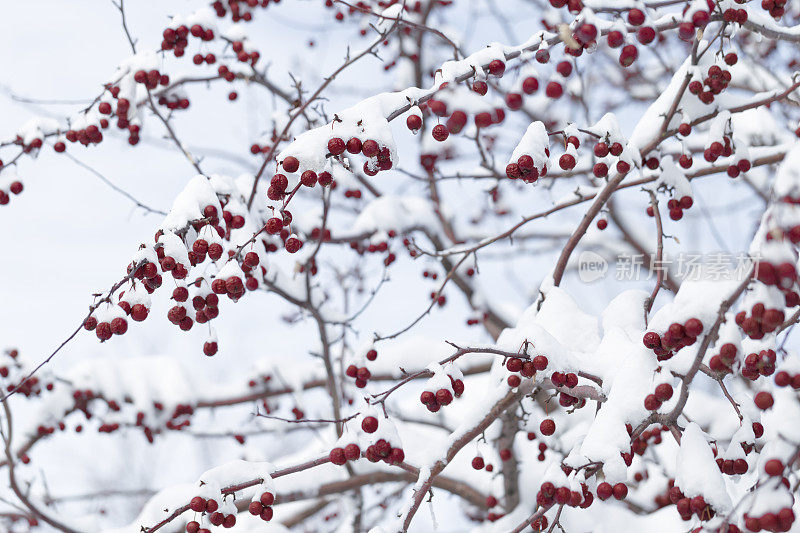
x: 636, y: 17
x: 337, y: 457
x: 369, y: 424
x: 370, y: 148
x: 336, y: 146
x: 664, y: 392
x: 496, y: 68
x: 554, y: 90
x: 773, y: 467
x: 308, y: 178
x: 530, y: 85
x: 646, y: 35
x: 763, y: 399
x: 197, y: 504
x: 480, y: 87
x: 604, y: 491
x: 440, y: 132
x: 291, y: 164
x: 566, y: 162
x: 414, y: 122
x: 293, y: 244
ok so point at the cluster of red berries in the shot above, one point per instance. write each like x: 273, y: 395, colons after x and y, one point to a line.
x: 548, y: 495
x: 776, y: 8
x: 723, y: 361
x: 35, y: 144
x: 378, y: 157
x: 716, y: 81
x: 108, y: 427
x: 732, y: 15
x: 105, y: 330
x: 434, y: 401
x: 526, y: 369
x: 136, y: 311
x: 603, y: 149
x: 150, y: 269
x: 240, y: 8
x: 92, y: 135
x: 525, y: 168
x: 574, y: 6
x: 215, y: 517
x: 690, y: 506
x: 725, y: 149
x: 783, y: 275
x: 242, y: 55
x: 148, y: 274
x: 676, y: 207
x: 180, y: 417
x: 780, y: 521
x: 699, y: 20
x: 784, y: 379
x: 759, y: 364
x: 262, y: 507
x: 379, y: 247
x: 569, y: 381
x: 205, y: 305
x: 176, y: 39
x: 173, y: 102
x: 14, y: 188
x: 458, y: 119
x: 479, y: 464
x: 663, y: 392
x: 30, y: 387
x: 361, y: 375
x: 647, y: 437
x: 151, y: 78
x: 761, y: 320
x: 676, y: 337
x: 383, y: 451
x: 731, y: 467
x: 605, y: 490
x: 340, y: 456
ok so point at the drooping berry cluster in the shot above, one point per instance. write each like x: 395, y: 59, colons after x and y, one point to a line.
x: 340, y: 455
x: 723, y: 361
x: 676, y: 337
x: 690, y: 506
x: 759, y: 364
x: 262, y: 506
x: 15, y: 188
x: 210, y: 508
x: 662, y: 393
x: 716, y: 81
x: 525, y: 169
x: 442, y: 389
x: 760, y: 321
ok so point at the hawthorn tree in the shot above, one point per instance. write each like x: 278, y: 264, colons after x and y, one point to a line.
x: 505, y: 194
